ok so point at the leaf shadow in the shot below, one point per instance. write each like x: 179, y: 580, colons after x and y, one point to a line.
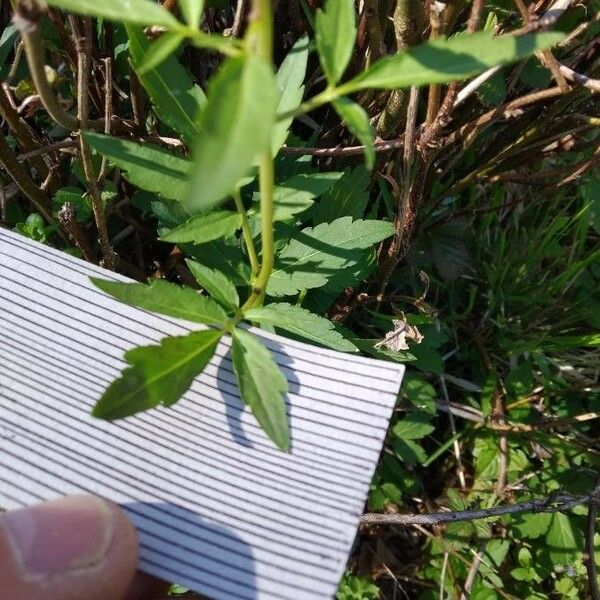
x: 236, y: 408
x: 179, y: 544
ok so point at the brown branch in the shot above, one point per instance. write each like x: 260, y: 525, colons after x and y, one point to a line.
x: 34, y: 52
x: 108, y: 109
x: 17, y: 172
x: 25, y: 136
x: 83, y: 41
x: 380, y: 146
x: 550, y: 504
x: 587, y: 82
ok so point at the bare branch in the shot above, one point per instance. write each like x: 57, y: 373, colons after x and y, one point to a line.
x: 553, y: 503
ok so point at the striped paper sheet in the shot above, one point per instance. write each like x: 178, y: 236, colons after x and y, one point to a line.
x: 217, y: 507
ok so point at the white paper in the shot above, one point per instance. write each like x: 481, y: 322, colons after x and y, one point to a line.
x: 217, y: 507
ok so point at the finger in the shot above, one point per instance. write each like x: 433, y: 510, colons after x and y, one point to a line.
x: 67, y: 549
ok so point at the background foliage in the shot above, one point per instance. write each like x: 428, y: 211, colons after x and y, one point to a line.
x: 452, y: 227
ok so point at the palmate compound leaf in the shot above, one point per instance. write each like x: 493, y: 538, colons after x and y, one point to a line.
x: 177, y: 101
x: 336, y: 33
x: 215, y: 283
x: 449, y: 59
x: 140, y: 12
x: 301, y: 323
x: 158, y: 374
x: 316, y: 253
x: 166, y: 298
x: 237, y: 123
x: 205, y: 228
x: 146, y: 166
x: 261, y: 385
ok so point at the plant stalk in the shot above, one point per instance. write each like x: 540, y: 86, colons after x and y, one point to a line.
x: 260, y: 43
x: 248, y: 240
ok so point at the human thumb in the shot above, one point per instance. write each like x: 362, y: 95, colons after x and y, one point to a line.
x: 74, y: 548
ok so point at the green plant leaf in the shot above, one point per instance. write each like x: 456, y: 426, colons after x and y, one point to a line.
x: 159, y: 50
x: 289, y: 79
x: 336, y: 32
x: 140, y: 12
x: 448, y: 59
x: 357, y: 121
x: 563, y: 539
x: 224, y: 256
x: 315, y: 254
x: 414, y: 426
x: 237, y: 125
x: 261, y: 385
x: 147, y: 166
x: 75, y: 196
x: 297, y: 193
x: 205, y: 228
x: 159, y: 374
x: 302, y: 323
x: 166, y: 298
x: 421, y: 394
x: 192, y: 11
x: 409, y: 451
x: 348, y: 197
x: 215, y: 283
x: 177, y: 101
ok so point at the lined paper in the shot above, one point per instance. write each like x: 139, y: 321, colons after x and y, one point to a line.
x: 217, y: 507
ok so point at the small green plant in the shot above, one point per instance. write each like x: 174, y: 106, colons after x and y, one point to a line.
x: 353, y: 587
x: 202, y: 203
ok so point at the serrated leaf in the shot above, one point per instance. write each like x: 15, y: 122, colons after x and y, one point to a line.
x: 215, y: 283
x: 357, y: 120
x: 336, y: 31
x: 177, y: 101
x: 165, y: 298
x: 140, y: 12
x: 146, y: 166
x: 159, y: 374
x: 563, y: 539
x: 409, y: 451
x: 159, y: 50
x: 192, y: 11
x: 261, y: 385
x: 296, y: 194
x: 420, y: 393
x: 237, y: 124
x: 442, y: 60
x: 205, y: 228
x: 348, y: 197
x: 289, y: 79
x: 302, y: 323
x: 414, y: 426
x: 314, y: 254
x: 223, y: 256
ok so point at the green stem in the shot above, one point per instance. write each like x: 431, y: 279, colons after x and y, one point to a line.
x: 324, y: 97
x: 247, y: 233
x: 260, y: 43
x: 266, y: 178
